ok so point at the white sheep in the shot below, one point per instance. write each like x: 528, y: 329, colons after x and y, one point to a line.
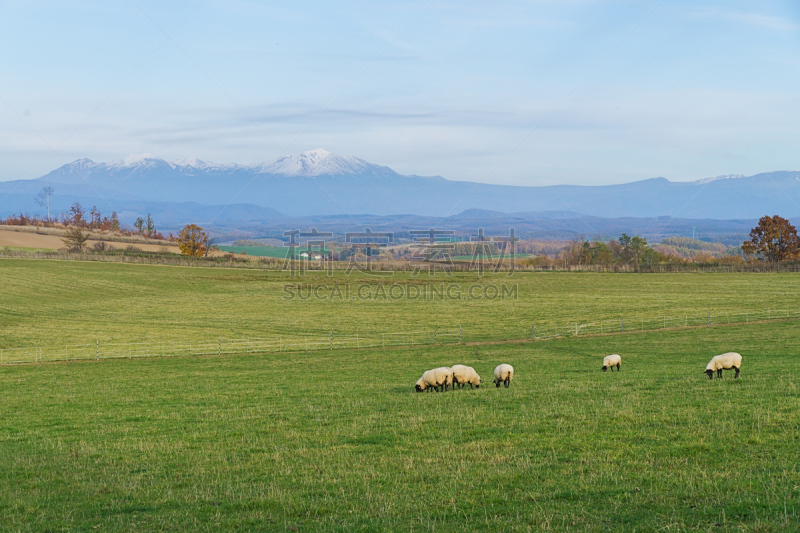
x: 438, y: 379
x: 611, y: 361
x: 503, y: 374
x: 463, y: 375
x: 725, y: 361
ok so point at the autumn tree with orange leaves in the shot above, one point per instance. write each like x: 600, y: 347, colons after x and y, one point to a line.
x: 192, y: 240
x: 774, y: 239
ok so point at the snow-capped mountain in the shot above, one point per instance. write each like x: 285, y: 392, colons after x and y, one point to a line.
x: 717, y: 178
x: 319, y: 162
x: 318, y: 182
x: 312, y: 163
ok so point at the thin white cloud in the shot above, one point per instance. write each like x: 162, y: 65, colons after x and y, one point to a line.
x: 760, y: 20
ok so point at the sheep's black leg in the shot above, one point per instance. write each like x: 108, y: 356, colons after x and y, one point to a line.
x: 737, y: 372
x: 617, y: 367
x: 507, y: 382
x: 719, y: 373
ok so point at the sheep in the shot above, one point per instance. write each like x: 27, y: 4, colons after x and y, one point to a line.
x: 727, y: 361
x: 610, y: 361
x: 503, y: 374
x: 438, y: 379
x: 463, y: 375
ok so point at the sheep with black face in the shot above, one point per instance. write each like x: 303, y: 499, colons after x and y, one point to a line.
x: 438, y: 379
x: 726, y: 361
x: 463, y: 375
x: 503, y: 374
x: 611, y: 361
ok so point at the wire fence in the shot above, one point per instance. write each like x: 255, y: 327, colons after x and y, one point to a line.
x: 630, y: 324
x: 222, y: 346
x: 277, y: 264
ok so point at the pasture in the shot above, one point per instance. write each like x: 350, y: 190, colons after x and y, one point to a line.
x: 47, y: 303
x: 338, y: 440
x: 257, y: 251
x: 325, y: 441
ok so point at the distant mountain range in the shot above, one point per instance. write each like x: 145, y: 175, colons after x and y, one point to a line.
x: 319, y: 183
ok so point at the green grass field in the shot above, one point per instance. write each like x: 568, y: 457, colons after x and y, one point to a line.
x: 257, y: 251
x: 264, y: 251
x: 47, y: 303
x: 338, y: 441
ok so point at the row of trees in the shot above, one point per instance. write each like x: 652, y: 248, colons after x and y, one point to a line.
x: 76, y: 217
x: 774, y: 239
x: 633, y: 251
x: 192, y: 240
x: 147, y: 227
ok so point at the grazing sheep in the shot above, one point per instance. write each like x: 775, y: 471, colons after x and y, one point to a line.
x: 503, y: 374
x: 438, y: 379
x: 725, y: 361
x: 610, y: 361
x: 463, y: 375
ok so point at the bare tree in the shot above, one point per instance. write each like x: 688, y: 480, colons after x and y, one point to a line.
x: 43, y: 199
x: 95, y: 217
x: 210, y: 246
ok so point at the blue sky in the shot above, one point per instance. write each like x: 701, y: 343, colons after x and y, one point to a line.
x: 532, y: 92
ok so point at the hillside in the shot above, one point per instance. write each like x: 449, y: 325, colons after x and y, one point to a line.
x: 693, y: 248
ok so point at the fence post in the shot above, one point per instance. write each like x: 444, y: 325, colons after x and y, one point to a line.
x: 98, y: 350
x: 622, y: 321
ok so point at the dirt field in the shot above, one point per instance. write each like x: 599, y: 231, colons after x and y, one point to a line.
x: 26, y: 239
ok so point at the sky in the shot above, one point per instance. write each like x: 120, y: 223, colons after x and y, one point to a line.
x: 533, y: 92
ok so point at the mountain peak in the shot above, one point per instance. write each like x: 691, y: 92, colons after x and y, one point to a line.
x: 319, y: 162
x: 137, y: 160
x: 717, y: 178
